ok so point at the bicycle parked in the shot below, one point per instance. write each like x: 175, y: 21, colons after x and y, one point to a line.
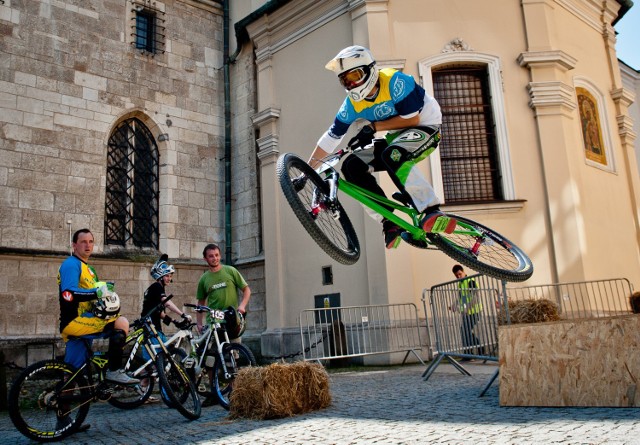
x: 313, y: 196
x: 163, y: 361
x: 211, y: 359
x: 50, y: 399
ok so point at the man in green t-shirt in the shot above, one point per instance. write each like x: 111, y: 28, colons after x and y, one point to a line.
x: 218, y: 287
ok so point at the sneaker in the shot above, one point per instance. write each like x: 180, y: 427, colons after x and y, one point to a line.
x: 121, y: 377
x: 435, y: 221
x: 391, y: 234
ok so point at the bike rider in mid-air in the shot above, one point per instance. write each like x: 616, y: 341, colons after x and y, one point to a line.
x: 389, y: 100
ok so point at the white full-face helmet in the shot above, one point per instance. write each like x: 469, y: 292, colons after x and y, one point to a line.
x: 357, y: 71
x: 107, y: 307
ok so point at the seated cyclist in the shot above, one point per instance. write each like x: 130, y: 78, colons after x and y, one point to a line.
x: 80, y: 316
x: 389, y: 100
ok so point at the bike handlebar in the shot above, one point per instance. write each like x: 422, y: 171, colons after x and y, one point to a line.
x: 212, y: 312
x: 159, y: 307
x: 197, y: 307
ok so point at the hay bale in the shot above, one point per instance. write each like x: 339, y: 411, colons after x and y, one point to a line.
x: 530, y: 311
x: 279, y: 390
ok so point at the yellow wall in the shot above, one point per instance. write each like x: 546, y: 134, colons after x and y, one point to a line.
x: 577, y: 222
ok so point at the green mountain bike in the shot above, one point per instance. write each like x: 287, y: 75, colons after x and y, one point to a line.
x: 313, y: 196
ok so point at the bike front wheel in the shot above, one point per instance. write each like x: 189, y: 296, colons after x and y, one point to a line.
x: 178, y: 386
x: 483, y: 250
x: 235, y: 357
x: 45, y: 405
x: 179, y: 355
x: 327, y: 223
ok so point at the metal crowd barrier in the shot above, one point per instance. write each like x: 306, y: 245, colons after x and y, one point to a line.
x: 355, y: 331
x: 586, y: 299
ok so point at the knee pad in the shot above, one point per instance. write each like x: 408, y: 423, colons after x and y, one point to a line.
x: 393, y: 157
x: 118, y: 337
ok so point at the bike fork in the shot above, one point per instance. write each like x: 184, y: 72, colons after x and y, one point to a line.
x: 320, y: 202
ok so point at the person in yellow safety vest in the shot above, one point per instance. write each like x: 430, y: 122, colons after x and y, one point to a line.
x: 470, y: 309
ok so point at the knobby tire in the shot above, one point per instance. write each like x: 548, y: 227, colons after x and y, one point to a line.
x: 336, y: 237
x: 178, y: 386
x: 37, y: 397
x: 236, y: 356
x: 497, y: 256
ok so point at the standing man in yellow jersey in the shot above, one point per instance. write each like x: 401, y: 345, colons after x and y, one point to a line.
x: 470, y: 308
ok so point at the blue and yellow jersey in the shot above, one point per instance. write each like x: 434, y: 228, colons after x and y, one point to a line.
x: 77, y: 286
x: 398, y: 95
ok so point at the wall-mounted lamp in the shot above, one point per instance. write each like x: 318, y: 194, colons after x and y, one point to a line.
x: 163, y: 137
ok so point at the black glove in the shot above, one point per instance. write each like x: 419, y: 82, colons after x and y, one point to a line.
x: 182, y: 325
x: 167, y: 320
x: 364, y: 137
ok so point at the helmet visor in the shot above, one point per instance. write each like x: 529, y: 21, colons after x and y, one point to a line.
x: 354, y: 77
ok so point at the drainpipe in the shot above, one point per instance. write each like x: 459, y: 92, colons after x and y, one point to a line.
x: 227, y: 136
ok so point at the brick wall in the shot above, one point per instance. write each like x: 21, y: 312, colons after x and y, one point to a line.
x: 68, y: 75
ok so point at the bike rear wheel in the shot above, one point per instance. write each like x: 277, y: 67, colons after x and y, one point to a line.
x: 328, y: 225
x: 236, y: 357
x: 490, y: 253
x: 178, y: 386
x: 43, y: 406
x: 133, y: 396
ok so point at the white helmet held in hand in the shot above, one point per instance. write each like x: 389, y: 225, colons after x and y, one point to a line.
x: 356, y: 68
x: 107, y: 307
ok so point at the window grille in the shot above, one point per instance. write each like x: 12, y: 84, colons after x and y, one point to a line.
x: 131, y: 205
x: 147, y: 29
x: 468, y: 152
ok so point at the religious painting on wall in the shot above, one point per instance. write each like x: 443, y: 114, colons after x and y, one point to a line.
x: 591, y: 127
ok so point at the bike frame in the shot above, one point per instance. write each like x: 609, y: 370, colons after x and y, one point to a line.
x: 141, y: 338
x: 97, y: 358
x: 377, y: 202
x: 217, y: 323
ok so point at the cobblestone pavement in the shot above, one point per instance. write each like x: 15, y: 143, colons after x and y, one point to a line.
x: 381, y: 406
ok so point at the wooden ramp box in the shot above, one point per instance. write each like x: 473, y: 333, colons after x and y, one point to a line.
x: 590, y: 362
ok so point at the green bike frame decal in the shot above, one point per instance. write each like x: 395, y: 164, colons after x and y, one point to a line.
x: 100, y: 362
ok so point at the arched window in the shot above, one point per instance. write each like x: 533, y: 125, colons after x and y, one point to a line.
x: 131, y: 204
x: 468, y: 152
x: 474, y: 165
